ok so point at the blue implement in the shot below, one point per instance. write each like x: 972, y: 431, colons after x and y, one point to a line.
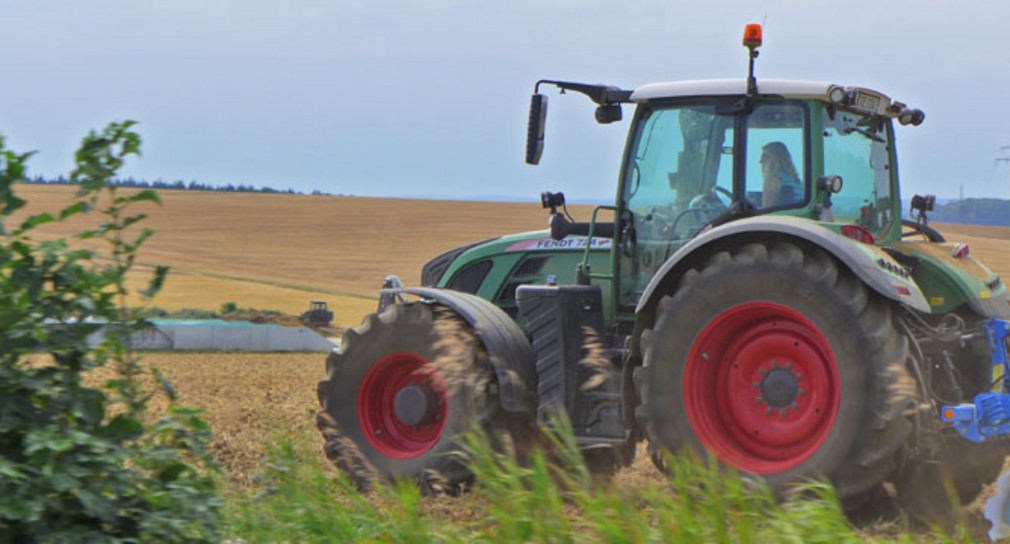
x: 988, y: 417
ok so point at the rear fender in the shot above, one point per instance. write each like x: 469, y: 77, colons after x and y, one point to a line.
x: 871, y: 264
x: 510, y: 352
x: 950, y: 282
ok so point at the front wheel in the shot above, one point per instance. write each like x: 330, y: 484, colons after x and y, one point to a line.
x: 780, y: 365
x: 400, y: 392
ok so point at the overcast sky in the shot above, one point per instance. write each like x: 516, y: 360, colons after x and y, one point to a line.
x: 406, y: 98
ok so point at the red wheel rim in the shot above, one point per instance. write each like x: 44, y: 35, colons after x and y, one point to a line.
x: 392, y: 433
x: 761, y: 387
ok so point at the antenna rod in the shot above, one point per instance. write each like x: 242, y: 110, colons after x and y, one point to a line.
x: 752, y: 41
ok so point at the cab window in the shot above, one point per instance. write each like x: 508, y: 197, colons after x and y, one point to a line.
x: 776, y: 156
x: 855, y: 148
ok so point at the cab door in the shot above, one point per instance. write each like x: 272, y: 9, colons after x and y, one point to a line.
x: 678, y: 177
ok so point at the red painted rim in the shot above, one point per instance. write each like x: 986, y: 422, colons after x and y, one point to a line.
x: 377, y: 393
x: 728, y: 399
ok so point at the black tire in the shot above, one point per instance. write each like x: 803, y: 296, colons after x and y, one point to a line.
x: 968, y: 467
x: 973, y: 466
x: 605, y: 462
x: 773, y: 330
x: 394, y: 356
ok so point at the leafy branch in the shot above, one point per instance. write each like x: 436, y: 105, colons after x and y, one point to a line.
x: 75, y: 463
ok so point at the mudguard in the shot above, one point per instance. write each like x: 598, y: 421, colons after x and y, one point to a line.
x: 510, y: 352
x: 950, y: 282
x: 871, y: 264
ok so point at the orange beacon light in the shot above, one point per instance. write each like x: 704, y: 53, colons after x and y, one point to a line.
x: 752, y: 36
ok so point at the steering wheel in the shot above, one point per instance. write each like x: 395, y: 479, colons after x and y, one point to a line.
x: 710, y: 201
x: 707, y: 205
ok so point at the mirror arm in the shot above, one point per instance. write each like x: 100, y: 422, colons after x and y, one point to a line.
x: 601, y: 94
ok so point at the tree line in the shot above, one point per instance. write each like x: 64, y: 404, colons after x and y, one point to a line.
x: 178, y: 185
x: 974, y: 211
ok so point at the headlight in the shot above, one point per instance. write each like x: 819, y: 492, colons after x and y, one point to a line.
x: 909, y: 116
x: 836, y: 95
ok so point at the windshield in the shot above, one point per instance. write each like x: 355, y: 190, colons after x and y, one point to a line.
x: 855, y: 148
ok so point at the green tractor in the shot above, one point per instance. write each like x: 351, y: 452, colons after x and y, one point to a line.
x: 753, y: 294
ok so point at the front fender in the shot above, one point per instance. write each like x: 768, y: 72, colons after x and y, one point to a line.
x: 871, y: 264
x: 510, y: 352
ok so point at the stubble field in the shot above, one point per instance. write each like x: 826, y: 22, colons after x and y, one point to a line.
x: 280, y: 251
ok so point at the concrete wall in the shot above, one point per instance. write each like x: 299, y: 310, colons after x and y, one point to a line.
x: 227, y: 336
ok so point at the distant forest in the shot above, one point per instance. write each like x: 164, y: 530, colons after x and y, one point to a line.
x: 176, y: 186
x: 974, y: 211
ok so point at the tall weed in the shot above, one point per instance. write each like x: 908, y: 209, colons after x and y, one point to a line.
x: 547, y: 496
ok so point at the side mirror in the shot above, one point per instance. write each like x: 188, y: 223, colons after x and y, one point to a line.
x: 535, y: 129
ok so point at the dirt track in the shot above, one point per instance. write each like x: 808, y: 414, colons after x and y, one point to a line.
x: 248, y: 398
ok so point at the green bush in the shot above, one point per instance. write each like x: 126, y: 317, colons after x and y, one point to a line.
x: 77, y: 463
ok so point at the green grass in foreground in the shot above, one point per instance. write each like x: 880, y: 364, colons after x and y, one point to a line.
x: 301, y: 501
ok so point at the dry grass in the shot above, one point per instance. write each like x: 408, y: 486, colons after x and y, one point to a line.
x: 330, y: 247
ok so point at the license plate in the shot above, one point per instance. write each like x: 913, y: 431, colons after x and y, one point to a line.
x: 867, y: 102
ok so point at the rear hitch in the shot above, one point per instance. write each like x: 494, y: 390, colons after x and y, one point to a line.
x: 988, y: 417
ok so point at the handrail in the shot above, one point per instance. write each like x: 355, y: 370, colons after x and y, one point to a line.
x: 589, y: 245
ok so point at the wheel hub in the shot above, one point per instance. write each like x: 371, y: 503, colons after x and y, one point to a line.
x: 414, y: 405
x: 779, y: 388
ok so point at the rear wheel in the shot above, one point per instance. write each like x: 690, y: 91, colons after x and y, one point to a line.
x: 399, y: 394
x: 779, y: 364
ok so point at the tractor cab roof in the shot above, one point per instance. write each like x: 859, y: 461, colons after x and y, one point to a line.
x: 730, y: 87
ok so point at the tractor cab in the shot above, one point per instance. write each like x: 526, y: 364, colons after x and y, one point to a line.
x: 705, y: 153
